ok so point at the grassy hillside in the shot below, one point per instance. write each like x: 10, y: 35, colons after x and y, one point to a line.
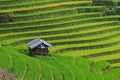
x: 86, y: 42
x: 55, y: 67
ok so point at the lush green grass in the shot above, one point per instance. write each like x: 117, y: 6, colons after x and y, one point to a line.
x: 54, y: 67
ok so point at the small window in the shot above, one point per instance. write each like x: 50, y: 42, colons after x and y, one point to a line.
x: 43, y: 46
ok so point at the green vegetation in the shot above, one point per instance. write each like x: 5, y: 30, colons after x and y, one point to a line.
x: 85, y: 35
x: 55, y: 67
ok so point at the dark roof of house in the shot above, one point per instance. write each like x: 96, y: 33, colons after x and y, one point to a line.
x: 36, y: 42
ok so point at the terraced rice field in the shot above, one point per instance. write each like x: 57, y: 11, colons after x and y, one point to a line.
x: 86, y: 43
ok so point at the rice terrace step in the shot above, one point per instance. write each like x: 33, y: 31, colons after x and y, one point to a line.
x: 59, y: 39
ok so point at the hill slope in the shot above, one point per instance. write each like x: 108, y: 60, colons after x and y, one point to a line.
x: 55, y: 67
x: 75, y: 28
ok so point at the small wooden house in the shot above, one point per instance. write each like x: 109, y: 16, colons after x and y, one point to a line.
x: 38, y: 47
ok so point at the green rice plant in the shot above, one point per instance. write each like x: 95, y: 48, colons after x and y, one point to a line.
x: 105, y: 36
x: 46, y: 72
x: 62, y: 31
x: 62, y: 11
x: 79, y: 27
x: 70, y: 22
x: 107, y: 57
x: 54, y: 37
x: 65, y: 71
x: 52, y: 74
x: 56, y: 74
x: 71, y: 64
x: 12, y: 31
x: 30, y: 65
x: 59, y: 15
x: 100, y: 44
x: 97, y: 69
x: 17, y: 68
x: 112, y: 74
x: 50, y: 20
x: 43, y: 7
x: 84, y: 67
x: 8, y: 2
x: 6, y: 61
x: 97, y: 52
x: 53, y: 65
x: 24, y: 4
x: 115, y: 65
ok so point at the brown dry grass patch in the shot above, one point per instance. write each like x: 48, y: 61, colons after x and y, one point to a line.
x: 4, y: 75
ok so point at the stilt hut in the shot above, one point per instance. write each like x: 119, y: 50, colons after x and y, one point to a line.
x: 38, y: 47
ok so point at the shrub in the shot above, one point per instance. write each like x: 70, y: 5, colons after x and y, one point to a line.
x: 110, y: 11
x: 102, y: 2
x: 5, y: 18
x: 118, y: 10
